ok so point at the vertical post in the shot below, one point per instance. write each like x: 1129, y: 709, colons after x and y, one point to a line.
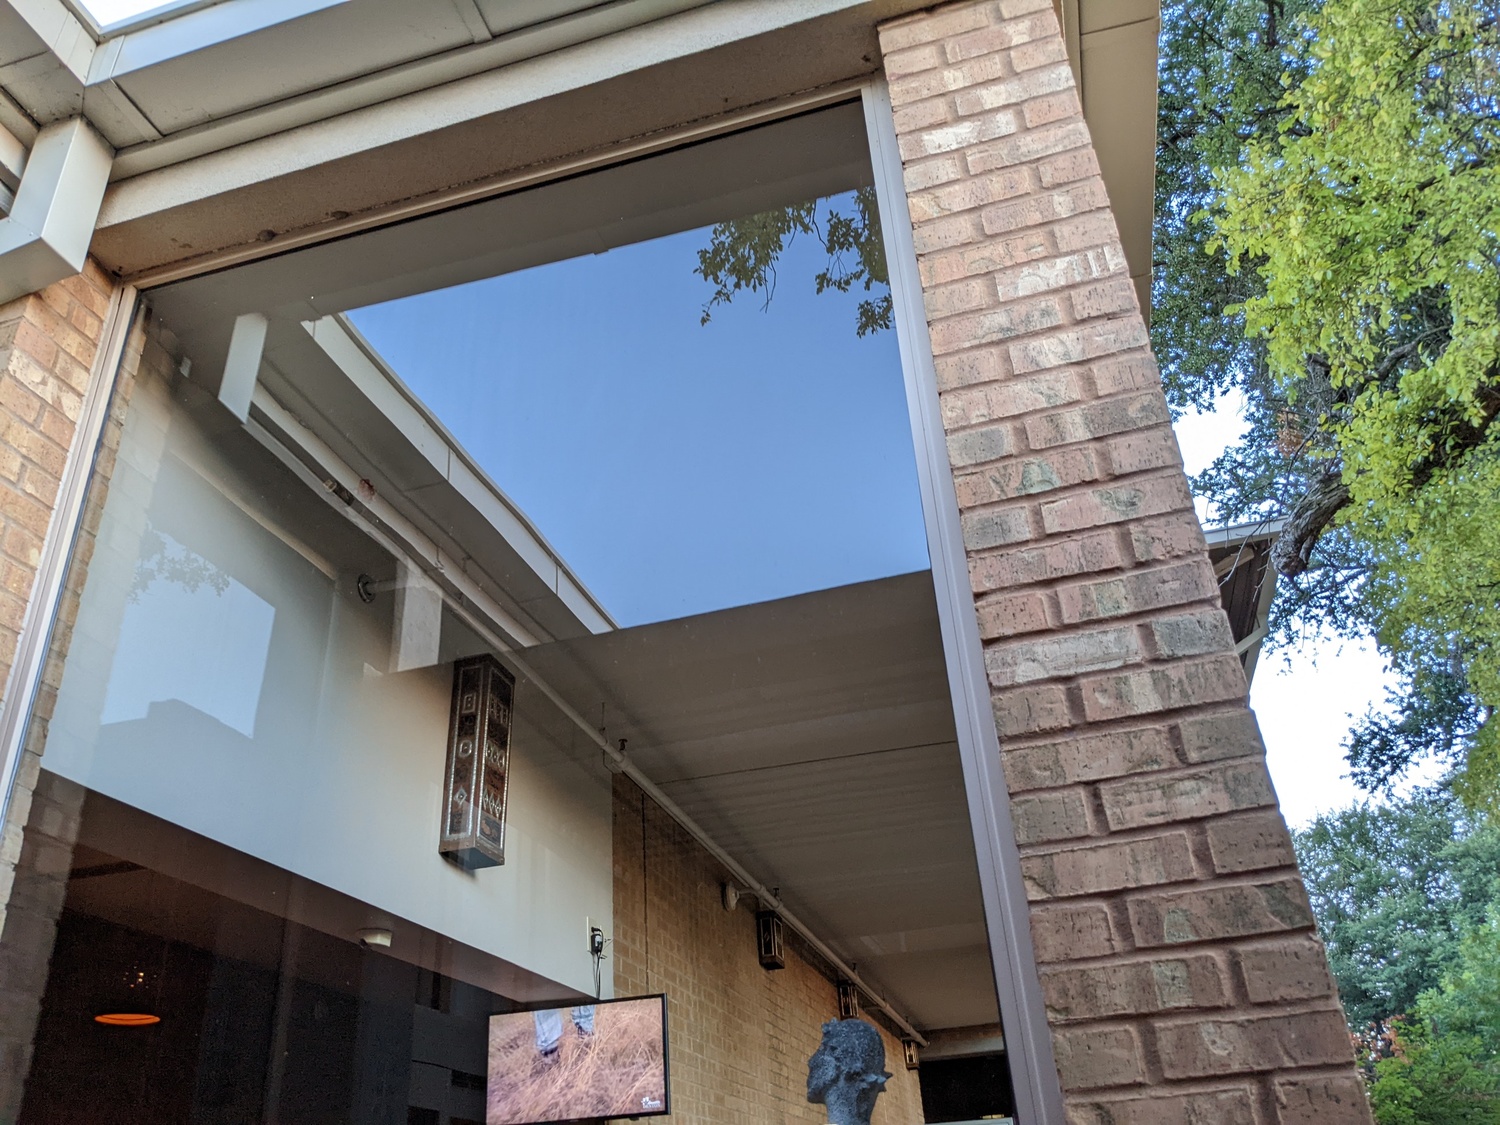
x: 1022, y: 1012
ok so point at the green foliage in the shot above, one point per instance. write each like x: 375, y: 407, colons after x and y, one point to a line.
x: 1394, y: 889
x: 742, y: 255
x: 1445, y: 1067
x: 1327, y: 246
x: 1434, y: 1080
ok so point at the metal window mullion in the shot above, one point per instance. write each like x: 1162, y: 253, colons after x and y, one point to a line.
x: 57, y: 547
x: 1028, y: 1039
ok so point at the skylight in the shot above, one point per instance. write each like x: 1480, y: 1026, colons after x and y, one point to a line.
x: 109, y: 13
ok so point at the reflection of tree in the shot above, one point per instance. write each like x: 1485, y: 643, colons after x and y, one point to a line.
x: 165, y: 558
x: 742, y: 254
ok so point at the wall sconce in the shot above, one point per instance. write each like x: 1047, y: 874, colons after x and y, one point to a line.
x: 909, y: 1053
x: 770, y: 937
x: 848, y: 1000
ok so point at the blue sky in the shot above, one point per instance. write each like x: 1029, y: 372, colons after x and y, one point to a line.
x: 678, y: 467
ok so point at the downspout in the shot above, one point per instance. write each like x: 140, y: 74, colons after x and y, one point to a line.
x: 59, y: 189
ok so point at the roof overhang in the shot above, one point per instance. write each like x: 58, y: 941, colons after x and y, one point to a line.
x: 242, y: 123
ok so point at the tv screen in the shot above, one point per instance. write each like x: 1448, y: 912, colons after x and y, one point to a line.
x: 607, y: 1058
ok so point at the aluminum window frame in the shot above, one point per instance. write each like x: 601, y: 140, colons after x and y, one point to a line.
x: 1033, y: 1067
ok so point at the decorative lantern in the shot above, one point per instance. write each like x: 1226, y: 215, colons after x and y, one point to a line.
x: 848, y: 1000
x: 478, y: 774
x: 770, y: 936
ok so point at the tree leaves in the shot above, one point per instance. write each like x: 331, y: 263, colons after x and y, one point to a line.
x: 742, y: 255
x: 1347, y: 223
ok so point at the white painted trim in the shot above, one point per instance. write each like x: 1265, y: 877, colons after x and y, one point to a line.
x: 1023, y: 1014
x: 46, y: 236
x: 517, y: 69
x: 59, y: 543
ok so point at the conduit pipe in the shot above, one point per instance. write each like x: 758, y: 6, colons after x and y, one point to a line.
x: 313, y: 454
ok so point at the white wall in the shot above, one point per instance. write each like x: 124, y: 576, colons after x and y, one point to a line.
x: 222, y: 676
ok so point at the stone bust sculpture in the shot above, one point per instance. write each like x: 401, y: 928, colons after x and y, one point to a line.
x: 847, y: 1071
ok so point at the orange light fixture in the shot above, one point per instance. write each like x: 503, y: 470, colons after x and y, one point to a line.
x: 126, y: 1019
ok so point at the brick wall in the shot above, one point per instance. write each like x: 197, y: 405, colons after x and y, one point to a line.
x: 1182, y: 977
x: 47, y: 345
x: 32, y: 886
x: 740, y: 1035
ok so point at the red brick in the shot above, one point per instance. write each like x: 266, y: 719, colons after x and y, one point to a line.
x: 1072, y: 933
x: 1029, y: 476
x: 1139, y: 590
x: 1092, y: 551
x: 1068, y: 167
x: 1284, y: 971
x: 1040, y: 53
x: 1107, y: 298
x: 1006, y: 93
x: 1219, y: 912
x: 1223, y: 734
x: 1049, y: 108
x: 1104, y: 868
x: 1058, y: 815
x: 1170, y: 537
x: 1135, y: 987
x: 1201, y: 1107
x: 1252, y: 842
x: 1116, y: 503
x: 1015, y: 319
x: 1040, y: 707
x: 1186, y: 683
x: 1095, y: 420
x: 1190, y: 795
x: 1088, y: 1058
x: 946, y: 198
x: 1006, y: 615
x: 1321, y: 1099
x: 1097, y: 228
x: 1047, y: 207
x: 1202, y: 1048
x: 1060, y: 655
x: 1079, y: 344
x: 1088, y: 758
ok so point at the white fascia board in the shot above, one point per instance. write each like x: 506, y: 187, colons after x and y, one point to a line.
x: 194, y: 31
x: 401, y: 115
x: 46, y: 236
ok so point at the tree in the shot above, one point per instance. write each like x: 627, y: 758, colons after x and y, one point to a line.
x: 1394, y: 890
x: 742, y: 254
x: 1445, y: 1064
x: 1349, y: 225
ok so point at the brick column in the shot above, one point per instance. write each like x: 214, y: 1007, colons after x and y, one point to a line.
x: 1182, y: 977
x: 47, y: 345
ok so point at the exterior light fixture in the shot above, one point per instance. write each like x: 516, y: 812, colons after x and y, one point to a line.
x: 770, y: 937
x: 909, y: 1053
x: 848, y: 1000
x: 478, y: 774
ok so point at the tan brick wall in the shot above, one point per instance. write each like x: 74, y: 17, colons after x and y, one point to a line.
x: 740, y: 1035
x: 1182, y: 978
x: 48, y: 342
x: 30, y: 902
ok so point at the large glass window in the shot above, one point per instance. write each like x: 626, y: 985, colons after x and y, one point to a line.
x: 635, y: 441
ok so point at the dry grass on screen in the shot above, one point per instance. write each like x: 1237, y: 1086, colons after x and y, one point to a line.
x: 605, y: 1077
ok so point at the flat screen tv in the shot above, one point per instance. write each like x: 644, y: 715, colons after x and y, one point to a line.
x: 607, y: 1058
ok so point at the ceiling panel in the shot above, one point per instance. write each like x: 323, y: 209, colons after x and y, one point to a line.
x: 813, y: 739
